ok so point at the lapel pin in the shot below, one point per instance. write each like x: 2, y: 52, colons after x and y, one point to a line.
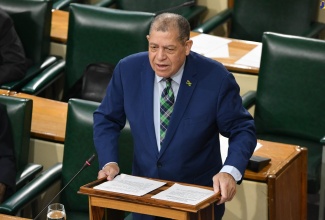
x: 188, y: 83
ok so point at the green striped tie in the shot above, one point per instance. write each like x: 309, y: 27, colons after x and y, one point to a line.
x: 166, y: 108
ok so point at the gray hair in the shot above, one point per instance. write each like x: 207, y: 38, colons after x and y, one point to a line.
x: 167, y: 21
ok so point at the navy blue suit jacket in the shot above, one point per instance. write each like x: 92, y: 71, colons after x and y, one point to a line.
x: 208, y: 103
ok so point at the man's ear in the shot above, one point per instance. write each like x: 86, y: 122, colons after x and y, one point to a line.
x: 188, y: 46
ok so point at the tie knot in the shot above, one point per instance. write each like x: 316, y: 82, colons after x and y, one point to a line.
x: 168, y: 81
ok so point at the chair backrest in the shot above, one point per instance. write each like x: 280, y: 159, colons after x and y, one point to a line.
x: 95, y: 81
x: 79, y: 146
x: 291, y: 88
x: 148, y: 5
x: 191, y: 11
x: 32, y: 20
x: 99, y: 34
x: 20, y: 115
x: 292, y: 17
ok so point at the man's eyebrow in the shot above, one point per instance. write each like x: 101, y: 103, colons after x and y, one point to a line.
x: 173, y: 46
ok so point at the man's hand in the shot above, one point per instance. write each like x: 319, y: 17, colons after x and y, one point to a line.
x: 109, y: 171
x: 226, y: 184
x: 2, y: 191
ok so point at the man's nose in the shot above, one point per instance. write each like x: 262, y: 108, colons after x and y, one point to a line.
x: 161, y: 55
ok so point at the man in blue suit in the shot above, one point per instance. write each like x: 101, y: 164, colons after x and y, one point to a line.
x: 204, y: 100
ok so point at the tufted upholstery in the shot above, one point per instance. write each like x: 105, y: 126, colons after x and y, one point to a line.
x: 99, y: 34
x: 20, y: 115
x: 250, y: 18
x: 289, y: 102
x: 32, y: 20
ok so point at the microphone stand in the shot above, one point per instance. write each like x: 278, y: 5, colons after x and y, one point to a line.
x: 86, y: 164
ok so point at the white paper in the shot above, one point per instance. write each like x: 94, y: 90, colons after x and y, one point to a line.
x: 184, y: 194
x: 131, y: 185
x: 224, y: 147
x: 252, y: 58
x: 210, y: 46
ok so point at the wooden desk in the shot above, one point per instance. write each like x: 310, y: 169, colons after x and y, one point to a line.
x: 237, y: 48
x: 49, y: 118
x: 5, y: 92
x: 285, y: 180
x: 9, y: 217
x: 59, y: 29
x: 98, y: 200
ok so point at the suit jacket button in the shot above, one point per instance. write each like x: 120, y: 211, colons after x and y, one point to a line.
x: 159, y: 165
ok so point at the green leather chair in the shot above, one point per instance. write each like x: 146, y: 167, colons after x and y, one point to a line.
x: 32, y: 20
x: 64, y: 4
x: 99, y: 34
x: 78, y: 147
x: 193, y: 12
x: 250, y: 18
x: 20, y: 115
x: 289, y: 100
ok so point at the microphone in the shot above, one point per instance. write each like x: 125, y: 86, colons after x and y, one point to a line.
x: 86, y: 164
x: 185, y: 4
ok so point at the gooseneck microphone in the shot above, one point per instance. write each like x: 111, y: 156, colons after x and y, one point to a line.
x: 185, y: 4
x: 86, y: 164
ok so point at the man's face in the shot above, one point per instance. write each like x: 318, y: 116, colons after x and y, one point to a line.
x: 166, y: 53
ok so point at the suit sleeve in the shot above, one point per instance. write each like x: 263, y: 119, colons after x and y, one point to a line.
x: 109, y: 120
x: 236, y: 123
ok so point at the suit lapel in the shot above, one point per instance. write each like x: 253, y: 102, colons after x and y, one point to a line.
x: 147, y: 78
x: 186, y: 88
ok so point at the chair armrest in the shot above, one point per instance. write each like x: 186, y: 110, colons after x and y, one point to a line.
x: 32, y: 71
x: 62, y: 4
x: 27, y: 174
x: 315, y: 29
x: 322, y: 141
x: 32, y: 190
x: 249, y: 99
x: 105, y: 3
x: 213, y: 22
x: 44, y: 79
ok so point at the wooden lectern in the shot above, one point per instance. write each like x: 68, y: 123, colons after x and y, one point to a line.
x: 99, y: 200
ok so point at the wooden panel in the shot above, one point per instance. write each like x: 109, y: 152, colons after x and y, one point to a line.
x: 288, y: 190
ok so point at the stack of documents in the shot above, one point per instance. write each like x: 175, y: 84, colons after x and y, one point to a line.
x: 211, y: 46
x: 131, y: 185
x: 139, y: 186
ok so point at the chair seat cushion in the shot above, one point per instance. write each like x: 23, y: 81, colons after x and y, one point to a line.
x: 314, y: 157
